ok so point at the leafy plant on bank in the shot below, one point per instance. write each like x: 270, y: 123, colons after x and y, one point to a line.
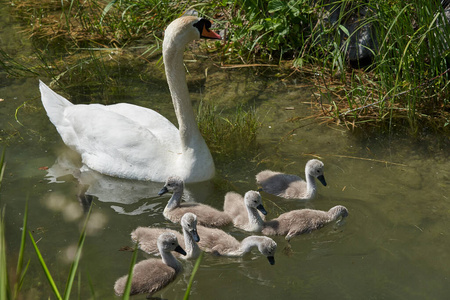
x: 408, y: 78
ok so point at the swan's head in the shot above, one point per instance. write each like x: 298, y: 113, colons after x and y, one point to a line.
x: 189, y: 223
x: 314, y: 167
x: 268, y: 247
x: 168, y: 242
x: 338, y: 211
x: 188, y: 28
x: 174, y: 184
x: 253, y: 199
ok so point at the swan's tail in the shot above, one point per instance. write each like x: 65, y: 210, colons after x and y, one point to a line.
x: 54, y: 104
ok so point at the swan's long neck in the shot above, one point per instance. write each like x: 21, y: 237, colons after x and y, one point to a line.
x: 192, y: 248
x: 174, y: 201
x: 255, y: 222
x: 170, y: 260
x: 248, y: 243
x: 310, y: 184
x: 176, y: 78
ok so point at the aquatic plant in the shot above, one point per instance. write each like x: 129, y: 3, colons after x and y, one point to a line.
x: 191, y: 278
x: 73, y: 267
x: 5, y: 290
x: 228, y: 135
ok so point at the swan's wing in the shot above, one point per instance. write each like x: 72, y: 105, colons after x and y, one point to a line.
x: 162, y: 128
x: 279, y: 184
x: 114, y: 144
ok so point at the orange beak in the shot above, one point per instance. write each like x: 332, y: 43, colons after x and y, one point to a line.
x: 209, y: 34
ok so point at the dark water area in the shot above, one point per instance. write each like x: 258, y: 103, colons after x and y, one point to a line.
x: 393, y: 245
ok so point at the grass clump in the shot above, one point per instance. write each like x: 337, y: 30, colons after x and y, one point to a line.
x: 407, y: 80
x: 229, y: 135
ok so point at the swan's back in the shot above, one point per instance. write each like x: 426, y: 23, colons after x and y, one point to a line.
x: 216, y: 241
x: 146, y: 238
x: 283, y: 185
x: 149, y: 276
x: 206, y: 215
x: 301, y: 221
x: 234, y: 206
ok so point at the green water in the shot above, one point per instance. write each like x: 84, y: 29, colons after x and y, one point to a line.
x: 393, y: 245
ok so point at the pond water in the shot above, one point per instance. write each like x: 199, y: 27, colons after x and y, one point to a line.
x: 393, y: 245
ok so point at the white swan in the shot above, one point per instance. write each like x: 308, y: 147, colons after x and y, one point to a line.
x: 219, y: 242
x: 151, y: 275
x: 174, y: 210
x: 291, y: 186
x: 146, y: 237
x: 134, y: 142
x: 244, y: 210
x: 301, y: 221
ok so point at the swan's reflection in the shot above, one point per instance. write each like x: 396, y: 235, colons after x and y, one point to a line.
x: 122, y: 192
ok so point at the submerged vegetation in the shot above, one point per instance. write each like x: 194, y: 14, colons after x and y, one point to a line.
x: 406, y: 79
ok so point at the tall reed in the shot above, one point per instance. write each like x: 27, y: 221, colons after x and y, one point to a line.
x: 5, y: 278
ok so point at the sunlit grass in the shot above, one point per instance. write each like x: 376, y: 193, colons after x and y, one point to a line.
x: 229, y: 135
x: 408, y: 78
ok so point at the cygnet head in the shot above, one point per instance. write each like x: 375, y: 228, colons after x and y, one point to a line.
x: 189, y: 28
x: 339, y: 211
x: 174, y: 184
x: 168, y: 242
x: 268, y: 248
x: 314, y: 167
x: 253, y: 199
x: 189, y: 222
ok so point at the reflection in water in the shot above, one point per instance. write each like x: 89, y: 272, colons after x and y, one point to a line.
x: 58, y: 202
x: 96, y: 224
x: 124, y: 192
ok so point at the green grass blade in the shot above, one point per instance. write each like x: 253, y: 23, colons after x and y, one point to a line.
x: 91, y: 287
x: 23, y: 276
x: 74, y: 266
x: 2, y: 165
x: 4, y: 280
x: 106, y: 9
x: 19, y: 273
x: 44, y: 267
x: 126, y: 292
x: 191, y: 280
